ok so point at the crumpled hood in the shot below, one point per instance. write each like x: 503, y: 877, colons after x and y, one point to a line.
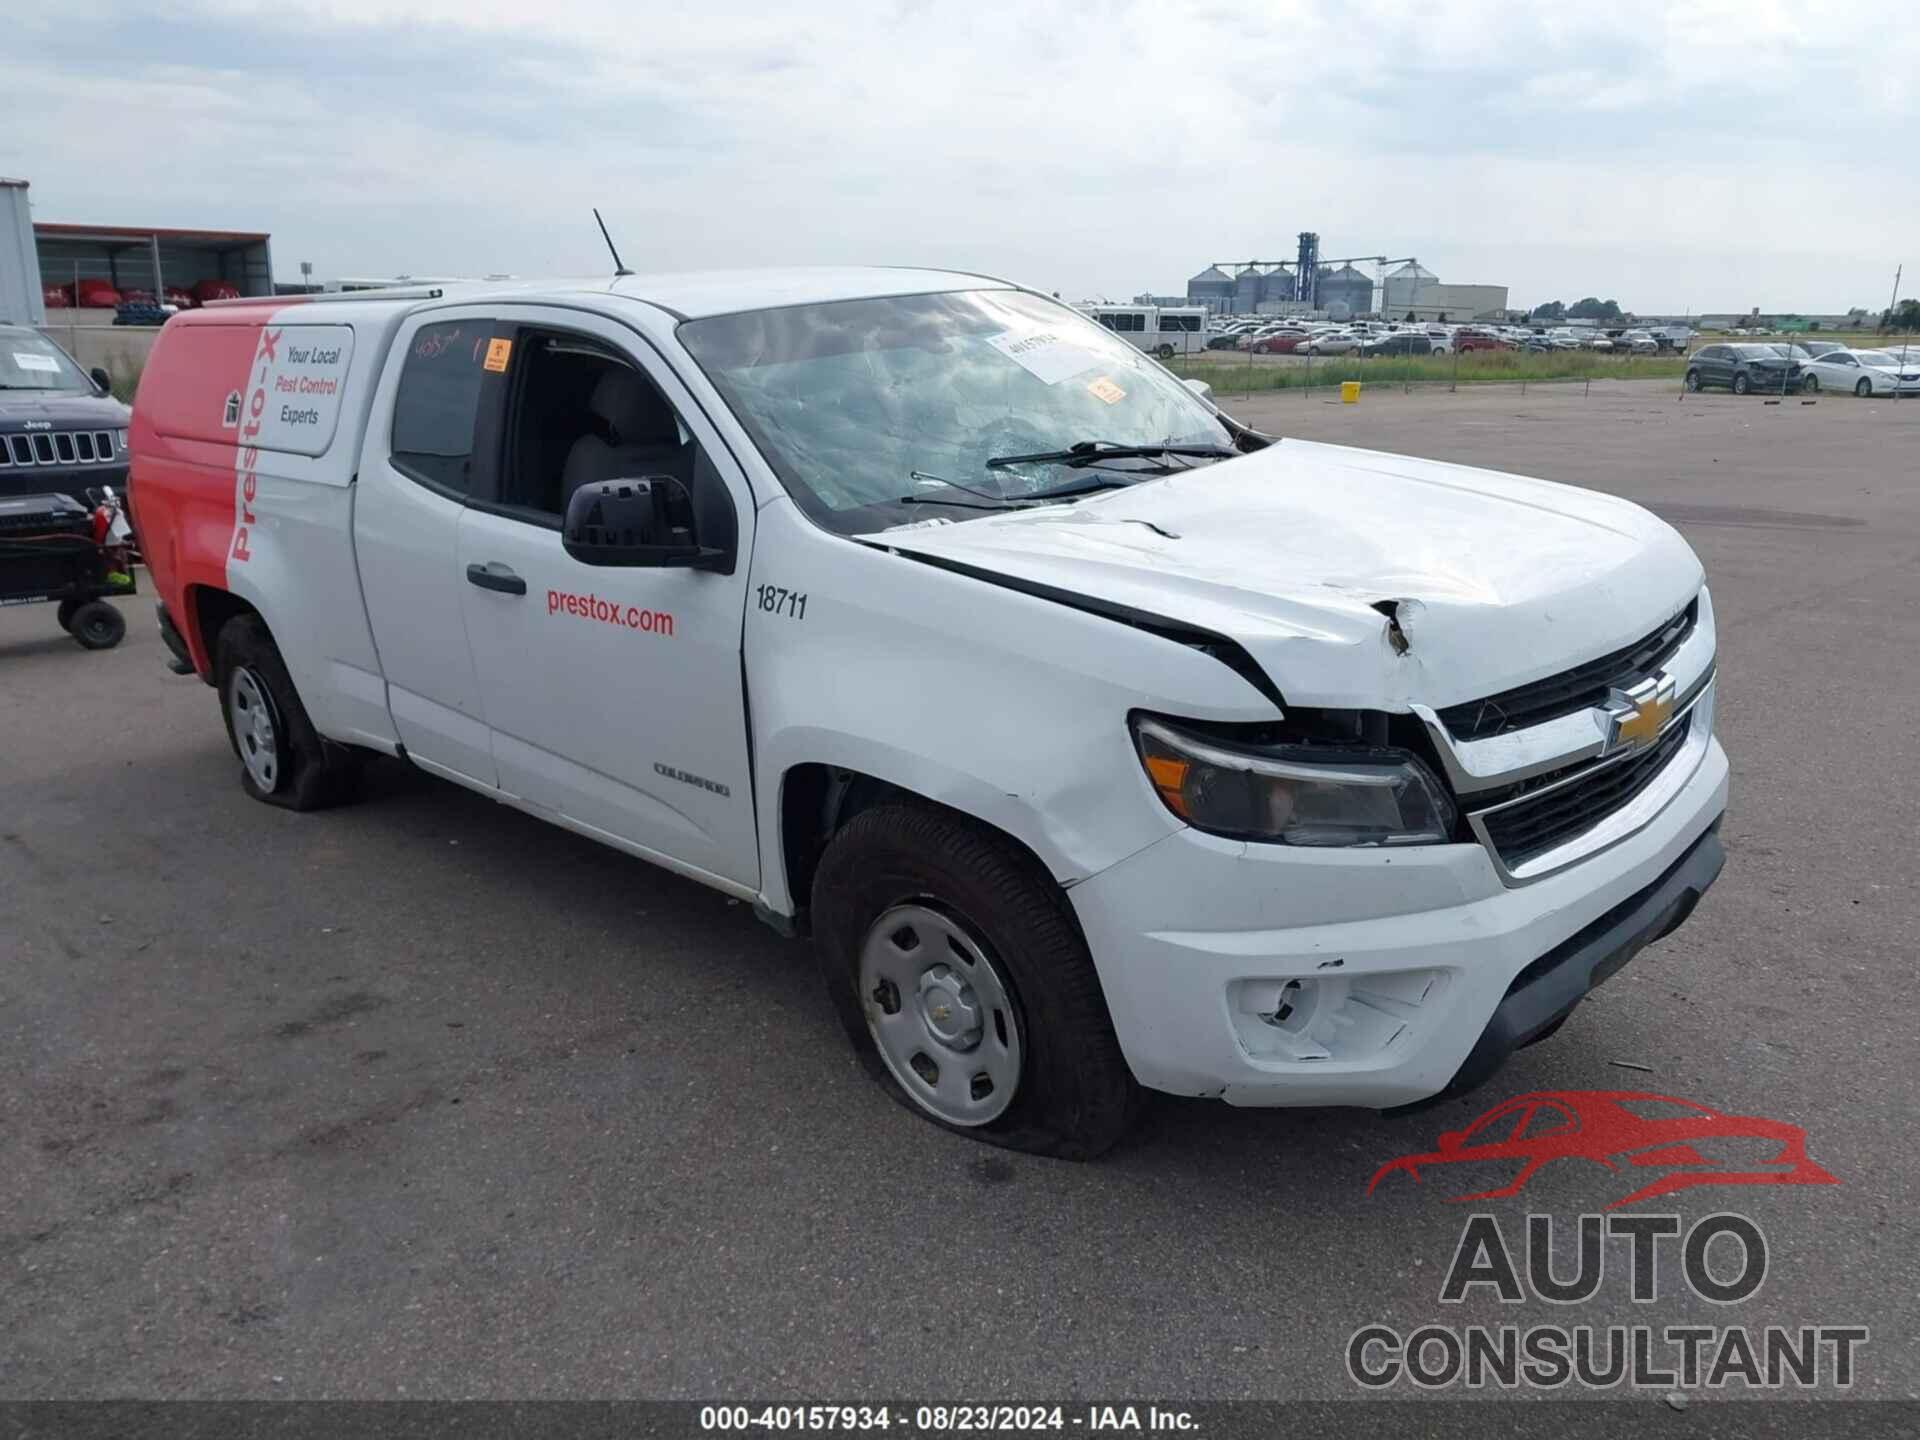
x: 1496, y: 580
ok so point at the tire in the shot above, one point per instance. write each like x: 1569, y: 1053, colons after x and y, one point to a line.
x: 65, y: 613
x: 97, y: 625
x: 1809, y: 384
x: 283, y: 759
x: 1693, y: 382
x: 931, y: 872
x: 1165, y: 352
x: 1741, y: 384
x: 1864, y: 389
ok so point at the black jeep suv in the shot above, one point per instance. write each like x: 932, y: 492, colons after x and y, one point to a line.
x: 61, y: 431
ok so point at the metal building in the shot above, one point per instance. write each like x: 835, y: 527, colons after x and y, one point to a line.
x: 21, y: 300
x: 1403, y: 287
x: 1346, y: 286
x: 1212, y: 286
x: 1242, y: 288
x: 144, y: 258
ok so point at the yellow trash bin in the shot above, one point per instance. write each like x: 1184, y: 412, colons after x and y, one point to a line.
x: 1349, y: 392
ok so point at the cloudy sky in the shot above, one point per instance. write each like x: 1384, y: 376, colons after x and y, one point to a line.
x: 1703, y: 156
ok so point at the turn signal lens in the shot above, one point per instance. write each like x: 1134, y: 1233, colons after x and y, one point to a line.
x: 1295, y: 794
x: 1169, y: 777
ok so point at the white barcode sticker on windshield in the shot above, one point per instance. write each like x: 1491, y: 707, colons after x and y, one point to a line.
x: 1045, y: 354
x: 36, y: 362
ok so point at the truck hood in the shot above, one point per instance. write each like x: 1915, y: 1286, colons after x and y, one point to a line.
x: 1300, y: 551
x: 64, y: 409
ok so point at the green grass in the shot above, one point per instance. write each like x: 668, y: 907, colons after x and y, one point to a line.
x: 1235, y: 376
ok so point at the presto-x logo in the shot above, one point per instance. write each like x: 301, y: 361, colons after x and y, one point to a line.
x: 1654, y: 1144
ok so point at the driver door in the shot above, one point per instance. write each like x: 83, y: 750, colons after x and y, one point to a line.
x: 614, y: 695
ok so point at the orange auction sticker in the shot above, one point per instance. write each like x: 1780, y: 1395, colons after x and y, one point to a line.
x: 497, y: 353
x: 1105, y: 389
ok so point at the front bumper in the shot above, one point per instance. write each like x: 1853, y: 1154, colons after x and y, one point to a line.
x: 1274, y: 976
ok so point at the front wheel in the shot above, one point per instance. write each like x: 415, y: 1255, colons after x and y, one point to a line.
x: 1810, y: 384
x: 963, y: 981
x: 1165, y: 352
x: 283, y: 759
x: 1741, y: 385
x: 1864, y: 388
x: 1693, y: 382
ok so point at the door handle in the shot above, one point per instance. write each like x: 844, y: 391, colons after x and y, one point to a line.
x: 495, y: 576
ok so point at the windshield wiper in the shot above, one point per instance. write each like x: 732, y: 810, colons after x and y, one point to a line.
x: 960, y: 504
x: 1072, y: 488
x: 993, y: 501
x: 1087, y: 452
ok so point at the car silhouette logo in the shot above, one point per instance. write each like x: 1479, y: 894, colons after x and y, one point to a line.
x: 1625, y: 1131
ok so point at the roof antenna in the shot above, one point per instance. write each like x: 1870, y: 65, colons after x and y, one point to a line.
x: 618, y: 268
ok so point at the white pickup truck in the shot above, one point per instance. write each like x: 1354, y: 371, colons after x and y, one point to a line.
x: 1097, y: 741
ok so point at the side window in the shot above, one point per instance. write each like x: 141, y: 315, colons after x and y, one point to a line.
x: 438, y: 401
x: 580, y: 412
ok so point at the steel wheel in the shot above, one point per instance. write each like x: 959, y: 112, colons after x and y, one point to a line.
x: 255, y: 728
x: 940, y: 1015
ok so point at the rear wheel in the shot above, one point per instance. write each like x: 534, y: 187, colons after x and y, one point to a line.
x: 97, y: 625
x: 964, y: 983
x: 1864, y: 388
x: 283, y: 759
x: 1165, y: 352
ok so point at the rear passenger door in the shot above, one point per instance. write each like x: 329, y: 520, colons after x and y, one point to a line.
x: 416, y: 470
x: 613, y: 694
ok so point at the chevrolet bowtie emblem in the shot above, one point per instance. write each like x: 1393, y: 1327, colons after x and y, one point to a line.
x: 1637, y: 716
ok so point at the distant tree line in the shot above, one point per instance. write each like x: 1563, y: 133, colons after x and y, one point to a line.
x: 1591, y: 308
x: 1904, y: 317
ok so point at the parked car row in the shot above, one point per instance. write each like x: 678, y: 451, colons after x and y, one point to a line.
x: 1295, y: 336
x: 1797, y: 368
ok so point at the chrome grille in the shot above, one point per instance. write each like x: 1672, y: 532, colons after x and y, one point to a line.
x: 1571, y: 691
x: 1533, y: 825
x: 59, y: 447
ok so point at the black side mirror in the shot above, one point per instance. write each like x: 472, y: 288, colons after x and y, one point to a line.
x: 102, y: 379
x: 644, y: 521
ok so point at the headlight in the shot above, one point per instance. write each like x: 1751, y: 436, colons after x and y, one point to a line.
x: 1294, y: 794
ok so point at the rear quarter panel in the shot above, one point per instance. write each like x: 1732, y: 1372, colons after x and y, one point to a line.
x: 244, y: 436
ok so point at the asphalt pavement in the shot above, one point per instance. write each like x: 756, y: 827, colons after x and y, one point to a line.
x: 422, y: 1098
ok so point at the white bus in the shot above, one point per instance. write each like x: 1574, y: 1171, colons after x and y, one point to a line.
x: 1162, y: 330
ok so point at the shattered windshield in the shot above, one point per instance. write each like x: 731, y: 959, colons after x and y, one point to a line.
x: 869, y: 410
